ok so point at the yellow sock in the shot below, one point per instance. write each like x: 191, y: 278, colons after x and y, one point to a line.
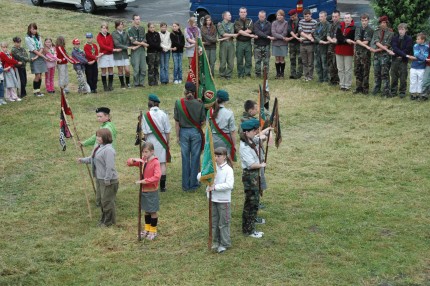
x: 147, y: 227
x: 153, y: 229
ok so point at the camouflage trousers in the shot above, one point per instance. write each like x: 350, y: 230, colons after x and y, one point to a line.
x: 82, y: 82
x: 243, y: 58
x: 153, y: 60
x: 381, y: 67
x: 296, y: 65
x: 398, y: 73
x: 426, y: 80
x: 262, y: 57
x: 362, y: 70
x: 332, y: 66
x: 320, y: 58
x: 252, y: 200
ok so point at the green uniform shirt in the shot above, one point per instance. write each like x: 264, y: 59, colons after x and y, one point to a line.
x: 386, y: 40
x: 92, y: 140
x: 243, y: 25
x: 136, y: 34
x: 361, y: 34
x: 195, y: 109
x: 225, y: 28
x: 121, y: 41
x: 321, y: 32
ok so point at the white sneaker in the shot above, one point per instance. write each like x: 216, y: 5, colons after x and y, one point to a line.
x: 176, y: 82
x: 2, y: 102
x: 179, y: 81
x: 11, y: 100
x: 18, y: 99
x: 255, y: 235
x: 260, y: 232
x: 221, y: 249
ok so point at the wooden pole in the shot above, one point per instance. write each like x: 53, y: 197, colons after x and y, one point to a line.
x: 139, y: 219
x: 210, y: 221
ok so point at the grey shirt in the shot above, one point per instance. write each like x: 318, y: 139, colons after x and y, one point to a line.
x: 103, y: 163
x: 225, y: 120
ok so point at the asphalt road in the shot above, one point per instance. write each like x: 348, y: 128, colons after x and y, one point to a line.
x: 170, y: 11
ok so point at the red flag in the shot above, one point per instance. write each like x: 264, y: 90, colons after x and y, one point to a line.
x: 64, y: 129
x: 193, y: 69
x: 65, y: 105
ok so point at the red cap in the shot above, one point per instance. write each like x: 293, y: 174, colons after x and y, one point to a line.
x: 292, y: 12
x: 383, y: 19
x: 76, y: 42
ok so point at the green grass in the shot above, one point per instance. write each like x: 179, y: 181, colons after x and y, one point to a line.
x: 347, y: 204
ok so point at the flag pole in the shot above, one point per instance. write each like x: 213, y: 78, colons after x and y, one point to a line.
x: 210, y: 221
x: 82, y: 148
x: 197, y: 50
x: 74, y: 141
x: 139, y: 218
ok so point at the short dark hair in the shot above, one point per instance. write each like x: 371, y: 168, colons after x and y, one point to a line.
x: 336, y: 11
x: 134, y: 16
x: 105, y: 134
x: 162, y: 24
x: 249, y: 104
x: 16, y: 39
x: 307, y: 12
x: 364, y: 16
x: 422, y: 36
x: 117, y: 23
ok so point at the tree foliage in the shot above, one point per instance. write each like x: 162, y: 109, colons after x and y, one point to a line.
x: 415, y: 13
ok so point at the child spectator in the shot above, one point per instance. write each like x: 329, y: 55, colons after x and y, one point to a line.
x: 421, y: 52
x: 2, y: 101
x: 51, y: 61
x: 209, y: 38
x: 21, y: 55
x: 149, y: 186
x: 426, y: 77
x: 106, y: 61
x: 192, y: 32
x: 221, y: 200
x: 91, y: 69
x: 10, y: 77
x: 402, y: 47
x: 156, y: 127
x: 178, y: 43
x: 79, y: 66
x: 63, y: 59
x: 102, y: 161
x: 154, y: 41
x: 166, y: 45
x: 38, y: 66
x: 122, y: 44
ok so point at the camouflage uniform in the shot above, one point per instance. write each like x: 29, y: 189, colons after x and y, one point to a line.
x: 243, y: 48
x: 362, y: 59
x: 138, y: 56
x: 153, y: 63
x: 296, y: 66
x: 382, y: 62
x: 226, y: 50
x: 320, y: 51
x: 331, y: 56
x: 262, y: 46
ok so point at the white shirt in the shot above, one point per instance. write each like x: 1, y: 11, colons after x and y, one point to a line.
x: 166, y: 43
x: 224, y: 182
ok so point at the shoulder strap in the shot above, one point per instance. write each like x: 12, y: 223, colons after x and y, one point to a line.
x: 158, y: 135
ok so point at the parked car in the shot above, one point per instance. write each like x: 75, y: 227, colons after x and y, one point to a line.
x: 89, y: 6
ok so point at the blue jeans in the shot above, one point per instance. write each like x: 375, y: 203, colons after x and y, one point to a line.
x: 164, y: 67
x: 177, y: 66
x: 190, y: 141
x: 1, y: 90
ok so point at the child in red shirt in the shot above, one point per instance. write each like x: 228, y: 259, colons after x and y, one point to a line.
x: 10, y: 77
x: 149, y: 185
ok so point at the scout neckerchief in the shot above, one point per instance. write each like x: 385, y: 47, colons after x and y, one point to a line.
x: 158, y: 135
x: 36, y: 42
x: 225, y: 138
x: 183, y: 109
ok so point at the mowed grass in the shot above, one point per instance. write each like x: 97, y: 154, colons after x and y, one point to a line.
x: 347, y: 204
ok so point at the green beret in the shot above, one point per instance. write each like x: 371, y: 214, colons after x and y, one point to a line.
x: 153, y: 97
x: 222, y: 94
x: 250, y: 124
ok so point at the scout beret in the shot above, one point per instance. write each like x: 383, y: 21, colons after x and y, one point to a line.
x: 88, y: 35
x: 222, y: 94
x: 250, y: 124
x: 153, y: 97
x: 103, y: 109
x: 292, y: 12
x: 76, y: 41
x: 383, y: 19
x: 190, y: 86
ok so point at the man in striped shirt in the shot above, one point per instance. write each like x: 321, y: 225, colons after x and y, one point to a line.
x: 306, y: 29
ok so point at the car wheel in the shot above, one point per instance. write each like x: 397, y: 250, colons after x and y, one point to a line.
x: 37, y: 2
x: 121, y: 7
x: 201, y: 18
x: 88, y: 6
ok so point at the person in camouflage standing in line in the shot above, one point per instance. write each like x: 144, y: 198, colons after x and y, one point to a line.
x: 244, y: 29
x: 331, y: 55
x: 226, y: 46
x: 136, y: 34
x: 381, y: 43
x: 363, y: 37
x: 263, y: 30
x: 296, y: 66
x: 321, y: 46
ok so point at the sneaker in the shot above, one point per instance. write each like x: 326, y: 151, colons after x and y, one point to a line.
x: 259, y: 220
x: 221, y: 249
x: 2, y: 101
x: 214, y: 247
x: 255, y: 235
x: 176, y: 82
x: 39, y: 94
x: 11, y: 100
x: 18, y: 99
x: 151, y: 236
x: 144, y: 234
x: 128, y: 85
x: 259, y: 232
x: 179, y: 81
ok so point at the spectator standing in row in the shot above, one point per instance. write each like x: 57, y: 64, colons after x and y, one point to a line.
x: 307, y: 29
x: 345, y: 51
x: 137, y: 36
x: 363, y: 37
x: 244, y: 29
x: 280, y: 43
x: 154, y: 49
x: 331, y: 55
x: 63, y: 60
x: 226, y: 47
x: 296, y: 66
x: 263, y: 30
x: 106, y: 61
x: 402, y: 47
x: 79, y: 66
x: 192, y: 32
x: 178, y: 43
x: 51, y: 61
x: 91, y: 69
x: 321, y: 46
x: 21, y: 55
x: 10, y: 76
x: 209, y: 38
x: 166, y: 45
x: 38, y: 66
x: 421, y: 52
x: 121, y: 44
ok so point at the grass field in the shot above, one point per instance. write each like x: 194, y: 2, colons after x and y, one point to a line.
x: 347, y: 204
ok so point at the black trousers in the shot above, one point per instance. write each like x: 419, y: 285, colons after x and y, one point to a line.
x: 23, y: 78
x: 92, y: 73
